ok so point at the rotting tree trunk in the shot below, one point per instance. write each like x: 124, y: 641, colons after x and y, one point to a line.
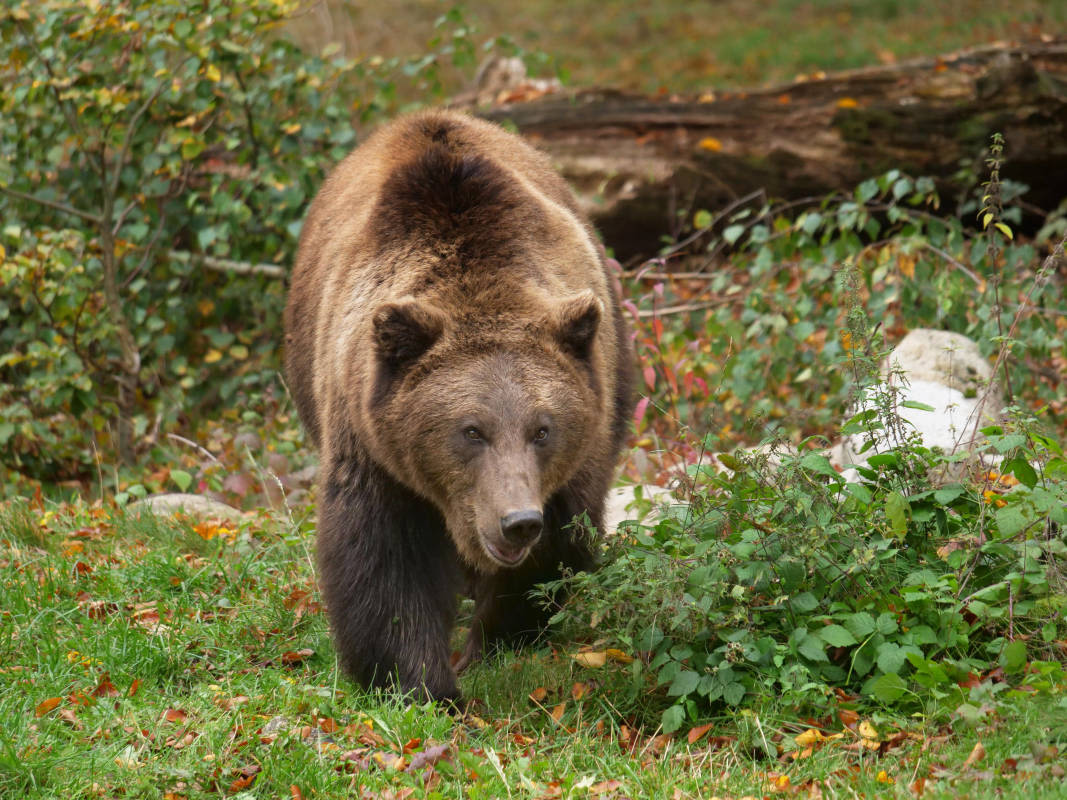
x: 637, y: 162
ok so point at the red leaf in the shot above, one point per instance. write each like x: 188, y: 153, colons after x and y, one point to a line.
x: 297, y: 656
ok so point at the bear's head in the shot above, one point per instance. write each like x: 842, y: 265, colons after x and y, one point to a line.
x: 484, y: 417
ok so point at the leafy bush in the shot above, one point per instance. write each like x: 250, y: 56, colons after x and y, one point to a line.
x: 786, y: 582
x: 156, y: 159
x: 779, y: 581
x: 748, y: 335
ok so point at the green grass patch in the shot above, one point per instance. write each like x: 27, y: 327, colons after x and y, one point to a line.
x: 182, y: 659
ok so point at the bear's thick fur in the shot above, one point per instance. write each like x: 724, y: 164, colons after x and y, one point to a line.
x: 456, y: 350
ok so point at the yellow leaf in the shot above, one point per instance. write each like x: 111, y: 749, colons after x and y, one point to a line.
x: 618, y: 656
x: 907, y: 265
x: 212, y: 356
x: 291, y: 128
x: 883, y: 777
x: 847, y: 102
x: 205, y: 306
x: 868, y: 731
x: 593, y: 660
x: 212, y: 73
x: 809, y: 737
x: 710, y: 143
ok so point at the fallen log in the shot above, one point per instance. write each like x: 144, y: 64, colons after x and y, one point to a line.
x: 639, y: 163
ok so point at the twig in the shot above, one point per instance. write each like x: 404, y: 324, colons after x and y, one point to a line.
x: 1048, y: 267
x: 226, y: 265
x: 954, y: 262
x: 67, y: 209
x: 194, y: 445
x: 682, y: 309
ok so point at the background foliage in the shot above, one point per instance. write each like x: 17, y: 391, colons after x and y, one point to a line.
x: 155, y: 163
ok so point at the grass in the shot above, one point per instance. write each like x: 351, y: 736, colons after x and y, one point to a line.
x: 692, y: 45
x: 183, y: 659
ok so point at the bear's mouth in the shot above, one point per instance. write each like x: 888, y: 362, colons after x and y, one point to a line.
x: 508, y: 555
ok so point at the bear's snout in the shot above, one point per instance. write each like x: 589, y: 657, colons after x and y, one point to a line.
x: 521, y: 528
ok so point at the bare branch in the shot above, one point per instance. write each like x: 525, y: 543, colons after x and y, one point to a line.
x: 67, y: 209
x: 226, y: 265
x: 684, y: 308
x: 131, y: 129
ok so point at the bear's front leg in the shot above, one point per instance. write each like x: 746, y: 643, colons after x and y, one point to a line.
x: 389, y: 575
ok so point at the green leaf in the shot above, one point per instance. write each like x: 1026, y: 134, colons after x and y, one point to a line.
x: 733, y: 233
x: 733, y: 693
x: 673, y: 718
x: 917, y: 405
x: 182, y: 479
x: 702, y: 219
x: 860, y: 492
x: 1021, y: 469
x: 886, y: 623
x: 684, y: 683
x: 1013, y: 657
x: 1010, y: 520
x: 861, y: 624
x: 890, y: 657
x: 837, y: 636
x: 1007, y: 442
x: 804, y: 602
x: 820, y: 464
x: 887, y: 688
x: 946, y: 494
x: 812, y: 647
x: 896, y: 511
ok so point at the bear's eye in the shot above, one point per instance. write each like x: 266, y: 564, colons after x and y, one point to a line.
x: 473, y: 434
x: 541, y: 435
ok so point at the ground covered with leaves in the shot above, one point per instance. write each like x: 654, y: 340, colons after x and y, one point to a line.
x: 190, y: 658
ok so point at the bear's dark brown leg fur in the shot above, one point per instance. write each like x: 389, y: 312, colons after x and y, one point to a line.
x: 389, y: 576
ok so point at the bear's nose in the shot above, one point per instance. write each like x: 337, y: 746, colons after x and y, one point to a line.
x: 522, y: 527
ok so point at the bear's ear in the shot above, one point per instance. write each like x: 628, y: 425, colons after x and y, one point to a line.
x: 578, y: 319
x: 403, y: 331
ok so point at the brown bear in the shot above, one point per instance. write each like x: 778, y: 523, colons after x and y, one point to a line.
x: 456, y: 350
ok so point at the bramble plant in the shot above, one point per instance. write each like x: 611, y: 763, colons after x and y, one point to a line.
x: 779, y: 582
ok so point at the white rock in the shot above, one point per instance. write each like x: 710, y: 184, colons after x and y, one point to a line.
x: 939, y: 369
x: 616, y: 509
x: 195, y: 505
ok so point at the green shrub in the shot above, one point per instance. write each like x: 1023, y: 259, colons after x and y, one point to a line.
x: 156, y: 159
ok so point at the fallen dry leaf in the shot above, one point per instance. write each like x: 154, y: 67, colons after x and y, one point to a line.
x: 47, y: 705
x: 539, y: 694
x: 557, y: 712
x: 977, y: 754
x: 297, y: 656
x: 592, y: 659
x: 696, y: 733
x: 579, y: 690
x: 175, y: 715
x: 428, y: 757
x: 604, y: 786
